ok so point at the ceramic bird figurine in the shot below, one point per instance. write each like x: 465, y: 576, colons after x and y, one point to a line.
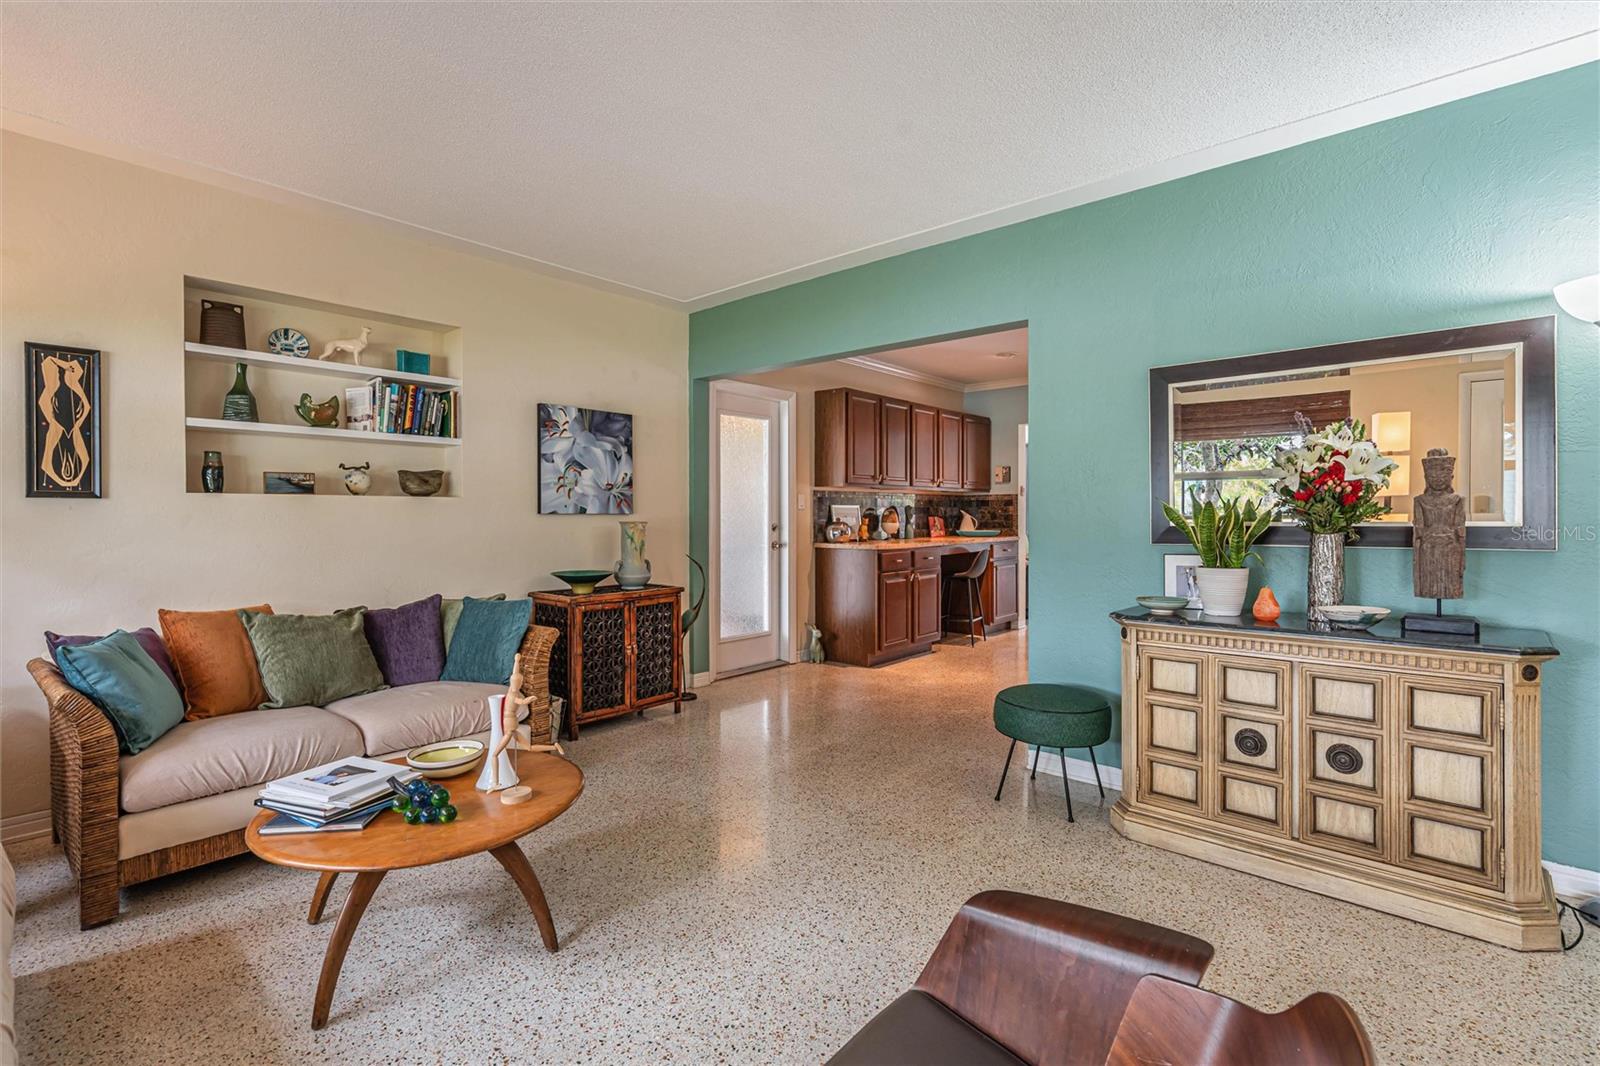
x: 355, y: 346
x: 322, y: 414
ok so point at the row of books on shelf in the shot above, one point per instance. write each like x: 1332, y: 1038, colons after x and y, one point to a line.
x: 401, y: 407
x: 340, y: 796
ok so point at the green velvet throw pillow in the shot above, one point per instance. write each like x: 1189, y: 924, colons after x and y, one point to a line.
x: 310, y: 660
x: 123, y: 680
x: 450, y: 616
x: 486, y: 640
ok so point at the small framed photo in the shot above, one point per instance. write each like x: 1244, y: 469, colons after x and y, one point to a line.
x: 848, y: 513
x: 286, y: 483
x: 1180, y: 578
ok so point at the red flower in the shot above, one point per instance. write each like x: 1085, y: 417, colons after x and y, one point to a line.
x: 1336, y: 470
x: 1350, y: 498
x: 1302, y: 494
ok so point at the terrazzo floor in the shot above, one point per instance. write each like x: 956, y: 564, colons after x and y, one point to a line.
x: 746, y: 882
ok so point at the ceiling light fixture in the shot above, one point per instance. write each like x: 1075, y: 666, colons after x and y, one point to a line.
x: 1580, y: 298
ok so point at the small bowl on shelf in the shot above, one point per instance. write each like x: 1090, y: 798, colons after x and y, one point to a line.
x: 1353, y: 616
x: 977, y: 532
x: 1163, y: 605
x: 582, y: 582
x: 448, y: 758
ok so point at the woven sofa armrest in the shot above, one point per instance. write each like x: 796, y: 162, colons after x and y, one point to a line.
x: 83, y: 789
x: 537, y: 644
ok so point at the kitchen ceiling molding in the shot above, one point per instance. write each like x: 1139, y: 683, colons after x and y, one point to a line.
x: 1531, y: 63
x: 879, y: 367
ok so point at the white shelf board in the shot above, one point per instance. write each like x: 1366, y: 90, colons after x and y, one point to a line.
x: 274, y: 429
x: 314, y: 366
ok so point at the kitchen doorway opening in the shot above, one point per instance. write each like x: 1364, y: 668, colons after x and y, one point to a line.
x: 752, y: 451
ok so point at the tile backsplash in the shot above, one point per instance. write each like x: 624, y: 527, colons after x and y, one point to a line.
x: 993, y: 511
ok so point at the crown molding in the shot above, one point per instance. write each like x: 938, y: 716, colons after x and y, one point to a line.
x: 998, y: 383
x: 1524, y: 66
x: 866, y: 362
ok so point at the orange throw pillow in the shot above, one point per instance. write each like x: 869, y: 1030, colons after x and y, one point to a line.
x: 214, y: 660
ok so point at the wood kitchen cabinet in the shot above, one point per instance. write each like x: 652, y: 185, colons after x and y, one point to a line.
x: 864, y: 440
x: 894, y: 436
x: 975, y: 453
x: 924, y: 447
x: 880, y: 601
x: 950, y: 425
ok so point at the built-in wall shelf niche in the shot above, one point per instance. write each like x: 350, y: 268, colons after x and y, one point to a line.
x: 281, y: 441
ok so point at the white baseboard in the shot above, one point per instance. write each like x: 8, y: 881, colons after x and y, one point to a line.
x: 1573, y: 880
x: 700, y: 680
x: 1568, y: 880
x: 1077, y: 769
x: 24, y: 827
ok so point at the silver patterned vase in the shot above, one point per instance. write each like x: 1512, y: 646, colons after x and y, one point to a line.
x: 1325, y: 573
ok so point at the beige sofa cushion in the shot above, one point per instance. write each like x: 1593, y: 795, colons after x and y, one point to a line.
x: 215, y: 755
x: 396, y: 719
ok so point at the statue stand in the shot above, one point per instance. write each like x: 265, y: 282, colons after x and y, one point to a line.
x: 1439, y: 550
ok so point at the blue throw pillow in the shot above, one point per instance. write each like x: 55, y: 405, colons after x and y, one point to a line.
x: 486, y: 640
x: 122, y: 680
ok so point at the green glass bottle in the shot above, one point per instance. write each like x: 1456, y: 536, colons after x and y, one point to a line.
x: 240, y: 403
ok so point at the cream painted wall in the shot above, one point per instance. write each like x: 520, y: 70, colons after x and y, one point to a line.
x: 94, y: 255
x: 805, y: 382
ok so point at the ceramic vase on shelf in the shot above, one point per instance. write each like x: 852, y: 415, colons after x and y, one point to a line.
x: 211, y: 472
x: 1222, y: 588
x: 1325, y: 573
x: 633, y: 569
x: 240, y: 403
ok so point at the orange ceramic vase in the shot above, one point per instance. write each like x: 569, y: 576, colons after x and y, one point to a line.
x: 1266, y: 607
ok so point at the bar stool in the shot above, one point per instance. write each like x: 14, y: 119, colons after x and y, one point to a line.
x: 971, y: 584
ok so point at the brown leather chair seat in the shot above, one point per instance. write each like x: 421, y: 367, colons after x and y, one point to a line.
x: 918, y: 1030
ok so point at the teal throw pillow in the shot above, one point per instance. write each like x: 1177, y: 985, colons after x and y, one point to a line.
x: 450, y: 616
x: 486, y: 640
x: 125, y: 682
x: 310, y: 660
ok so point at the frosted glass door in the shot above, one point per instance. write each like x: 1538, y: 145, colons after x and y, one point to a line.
x: 750, y: 532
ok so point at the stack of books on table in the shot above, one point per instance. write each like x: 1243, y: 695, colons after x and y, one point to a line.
x: 340, y: 796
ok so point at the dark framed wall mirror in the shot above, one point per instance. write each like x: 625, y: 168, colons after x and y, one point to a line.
x: 1486, y: 394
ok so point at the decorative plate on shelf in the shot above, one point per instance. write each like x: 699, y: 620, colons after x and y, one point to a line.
x: 286, y: 341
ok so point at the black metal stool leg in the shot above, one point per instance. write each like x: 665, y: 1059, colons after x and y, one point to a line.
x: 1009, y: 752
x: 972, y: 609
x: 1035, y: 772
x: 1097, y: 783
x: 1064, y: 787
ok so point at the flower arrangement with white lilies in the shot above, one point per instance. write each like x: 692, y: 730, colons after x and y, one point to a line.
x: 1331, y: 483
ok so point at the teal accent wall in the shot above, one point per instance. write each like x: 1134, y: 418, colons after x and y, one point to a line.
x: 1462, y: 214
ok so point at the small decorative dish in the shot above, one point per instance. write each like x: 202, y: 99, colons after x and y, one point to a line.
x: 582, y: 582
x: 446, y: 758
x: 286, y: 341
x: 1163, y: 604
x: 977, y: 532
x: 1353, y: 616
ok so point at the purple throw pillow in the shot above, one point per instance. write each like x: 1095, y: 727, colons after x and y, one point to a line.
x: 408, y: 641
x: 148, y: 639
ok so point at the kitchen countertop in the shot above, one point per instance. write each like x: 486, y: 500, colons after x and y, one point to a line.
x: 895, y: 544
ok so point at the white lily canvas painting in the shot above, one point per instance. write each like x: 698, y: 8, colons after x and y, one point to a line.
x: 585, y: 461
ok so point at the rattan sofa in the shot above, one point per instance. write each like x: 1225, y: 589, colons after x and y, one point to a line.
x: 109, y: 847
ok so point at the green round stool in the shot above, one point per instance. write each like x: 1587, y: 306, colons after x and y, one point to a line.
x: 1054, y: 716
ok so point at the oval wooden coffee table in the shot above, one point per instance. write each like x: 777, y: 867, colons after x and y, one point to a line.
x: 482, y: 823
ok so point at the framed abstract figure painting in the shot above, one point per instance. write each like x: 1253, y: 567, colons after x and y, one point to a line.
x: 585, y: 461
x: 62, y: 421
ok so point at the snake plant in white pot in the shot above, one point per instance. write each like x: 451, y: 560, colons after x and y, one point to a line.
x: 1222, y: 533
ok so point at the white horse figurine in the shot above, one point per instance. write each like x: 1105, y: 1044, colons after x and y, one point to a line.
x: 355, y: 346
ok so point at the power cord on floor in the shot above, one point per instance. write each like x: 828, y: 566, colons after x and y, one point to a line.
x: 1578, y: 916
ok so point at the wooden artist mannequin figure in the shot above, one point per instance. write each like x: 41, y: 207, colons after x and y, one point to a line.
x: 1439, y: 546
x: 503, y: 738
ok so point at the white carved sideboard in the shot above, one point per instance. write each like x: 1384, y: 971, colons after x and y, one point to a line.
x: 1397, y: 771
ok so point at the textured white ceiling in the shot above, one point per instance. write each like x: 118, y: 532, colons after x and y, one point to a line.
x: 688, y: 150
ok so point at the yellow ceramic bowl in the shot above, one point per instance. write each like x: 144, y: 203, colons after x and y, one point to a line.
x: 447, y: 758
